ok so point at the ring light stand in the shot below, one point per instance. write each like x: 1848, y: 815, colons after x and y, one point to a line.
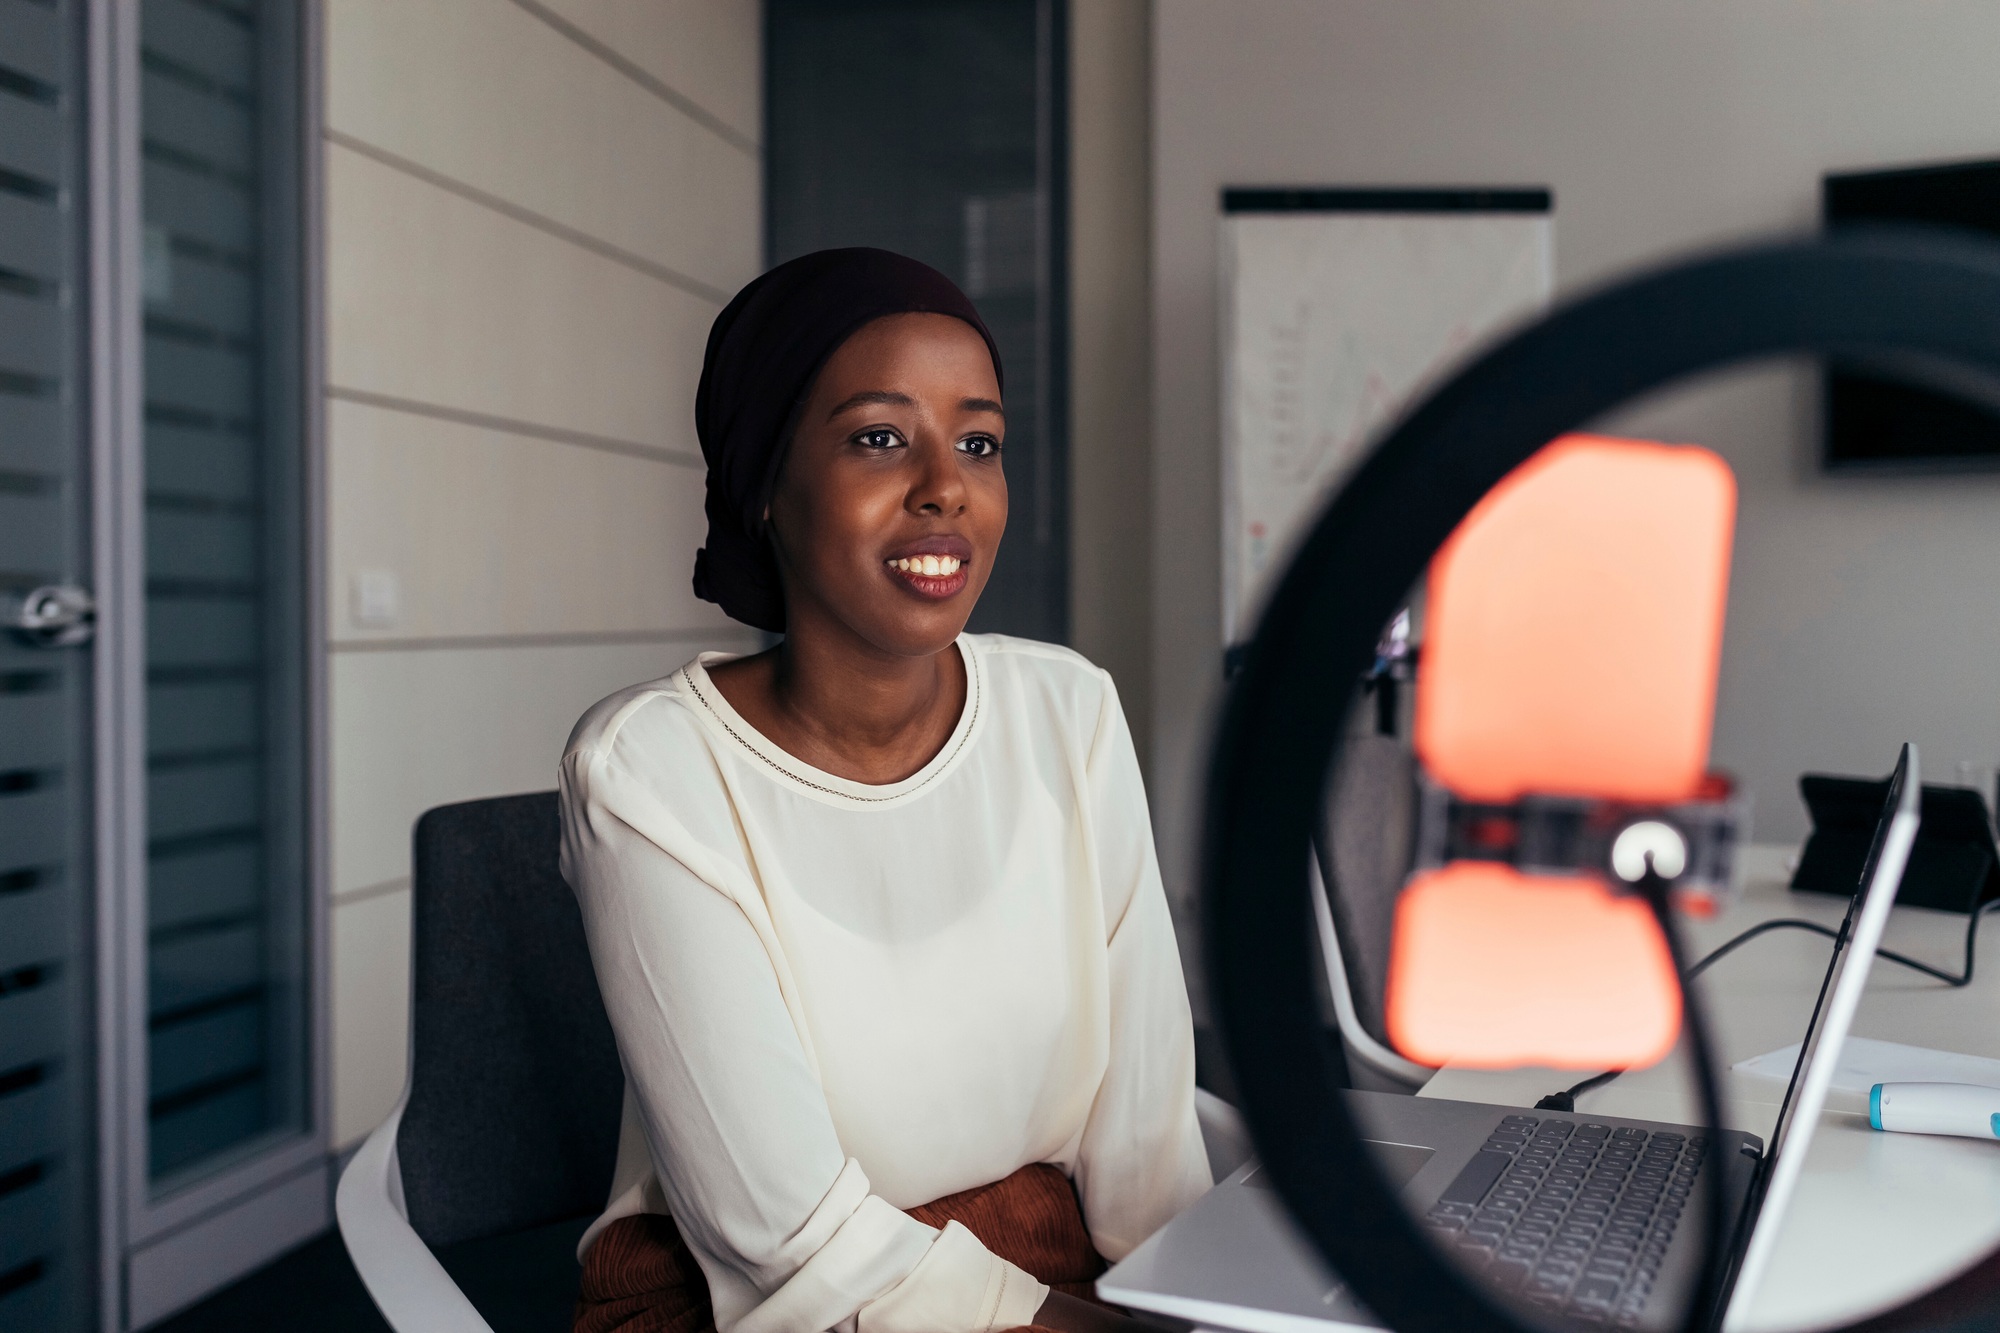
x: 1893, y: 300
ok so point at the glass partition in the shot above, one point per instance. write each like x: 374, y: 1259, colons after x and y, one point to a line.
x: 226, y: 997
x: 962, y: 166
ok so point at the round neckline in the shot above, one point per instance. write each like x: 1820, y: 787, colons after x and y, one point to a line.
x: 786, y: 766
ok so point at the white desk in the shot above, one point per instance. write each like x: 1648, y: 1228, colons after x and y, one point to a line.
x: 1878, y: 1217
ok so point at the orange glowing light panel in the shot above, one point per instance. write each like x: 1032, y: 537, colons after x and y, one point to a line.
x: 1493, y: 969
x: 1575, y: 624
x: 1571, y: 646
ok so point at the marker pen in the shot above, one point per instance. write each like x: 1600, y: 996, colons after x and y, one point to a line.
x: 1964, y: 1109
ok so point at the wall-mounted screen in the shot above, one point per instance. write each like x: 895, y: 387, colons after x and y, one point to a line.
x: 1882, y: 425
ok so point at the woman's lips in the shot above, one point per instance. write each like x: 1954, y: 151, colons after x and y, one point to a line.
x: 934, y: 576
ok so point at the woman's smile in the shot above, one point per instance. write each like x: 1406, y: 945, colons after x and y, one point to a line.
x: 935, y: 568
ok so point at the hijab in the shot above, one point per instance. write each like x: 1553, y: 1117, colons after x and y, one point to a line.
x: 764, y: 352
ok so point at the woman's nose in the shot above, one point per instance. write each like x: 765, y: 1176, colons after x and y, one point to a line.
x: 938, y: 487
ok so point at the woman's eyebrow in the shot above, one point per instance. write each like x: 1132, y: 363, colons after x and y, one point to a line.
x: 872, y: 396
x: 981, y: 405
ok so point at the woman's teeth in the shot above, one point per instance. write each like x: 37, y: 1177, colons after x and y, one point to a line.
x: 930, y: 566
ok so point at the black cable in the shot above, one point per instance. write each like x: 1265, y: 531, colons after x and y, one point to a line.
x: 1964, y: 978
x: 1705, y: 1307
x: 1566, y: 1099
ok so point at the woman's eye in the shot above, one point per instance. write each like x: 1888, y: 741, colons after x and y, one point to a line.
x: 979, y: 446
x: 878, y: 439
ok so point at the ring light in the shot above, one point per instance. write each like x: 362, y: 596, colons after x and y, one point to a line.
x: 1887, y: 298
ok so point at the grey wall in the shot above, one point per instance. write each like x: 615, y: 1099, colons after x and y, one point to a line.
x: 1862, y: 611
x: 1110, y: 526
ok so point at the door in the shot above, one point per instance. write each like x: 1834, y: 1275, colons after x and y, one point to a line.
x: 215, y: 1128
x: 47, y: 1049
x: 161, y: 1129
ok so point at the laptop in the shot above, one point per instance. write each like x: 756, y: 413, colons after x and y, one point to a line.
x: 1571, y: 1213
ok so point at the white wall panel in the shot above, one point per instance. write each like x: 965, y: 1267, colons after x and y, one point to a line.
x: 521, y: 285
x: 492, y: 533
x: 487, y: 94
x: 434, y: 298
x: 371, y: 1010
x: 709, y: 51
x: 416, y: 728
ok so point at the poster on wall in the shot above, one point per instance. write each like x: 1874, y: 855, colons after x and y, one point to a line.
x: 1339, y: 308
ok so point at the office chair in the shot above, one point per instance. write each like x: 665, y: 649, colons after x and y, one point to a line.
x: 509, y: 1116
x: 1360, y: 859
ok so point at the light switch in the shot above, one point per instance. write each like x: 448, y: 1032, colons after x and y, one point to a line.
x: 378, y: 598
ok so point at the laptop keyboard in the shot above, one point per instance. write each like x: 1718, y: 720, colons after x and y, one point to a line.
x: 1571, y: 1215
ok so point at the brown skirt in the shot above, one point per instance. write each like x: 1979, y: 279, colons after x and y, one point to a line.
x: 640, y: 1277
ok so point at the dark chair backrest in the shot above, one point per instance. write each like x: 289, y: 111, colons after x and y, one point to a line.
x: 515, y: 1085
x: 1365, y: 854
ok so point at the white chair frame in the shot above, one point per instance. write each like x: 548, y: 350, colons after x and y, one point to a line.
x: 416, y: 1295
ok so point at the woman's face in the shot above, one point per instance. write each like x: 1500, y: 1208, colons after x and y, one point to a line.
x: 891, y: 500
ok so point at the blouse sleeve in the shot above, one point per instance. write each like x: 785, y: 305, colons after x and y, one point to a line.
x: 785, y: 1224
x: 1141, y: 1159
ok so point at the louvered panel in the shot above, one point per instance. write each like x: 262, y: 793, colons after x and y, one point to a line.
x: 34, y: 929
x: 215, y: 298
x: 189, y: 460
x: 29, y: 1130
x: 31, y: 834
x: 28, y: 1221
x: 189, y: 1132
x: 32, y: 1306
x: 212, y: 546
x: 200, y: 208
x: 193, y: 717
x: 212, y: 632
x: 31, y: 528
x: 45, y: 801
x: 204, y: 884
x: 32, y: 1027
x: 201, y: 129
x: 215, y: 382
x: 31, y: 434
x: 16, y: 659
x: 196, y: 799
x: 31, y: 336
x: 34, y: 733
x: 30, y: 233
x: 199, y: 39
x: 31, y: 139
x: 206, y: 1049
x: 30, y: 42
x: 196, y: 967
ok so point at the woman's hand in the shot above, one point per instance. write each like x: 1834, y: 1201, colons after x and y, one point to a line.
x: 1071, y: 1314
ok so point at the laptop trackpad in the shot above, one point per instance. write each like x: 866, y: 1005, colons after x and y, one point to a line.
x: 1237, y: 1253
x: 1400, y: 1162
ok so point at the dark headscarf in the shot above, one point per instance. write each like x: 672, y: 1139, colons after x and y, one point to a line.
x: 765, y: 350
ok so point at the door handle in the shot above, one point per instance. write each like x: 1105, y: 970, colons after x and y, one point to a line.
x: 57, y: 615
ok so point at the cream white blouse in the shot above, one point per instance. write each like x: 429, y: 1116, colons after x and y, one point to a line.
x: 834, y: 1001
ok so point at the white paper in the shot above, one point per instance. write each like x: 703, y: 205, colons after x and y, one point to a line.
x: 1864, y: 1062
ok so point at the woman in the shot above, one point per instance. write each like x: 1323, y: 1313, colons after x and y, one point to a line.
x: 875, y: 913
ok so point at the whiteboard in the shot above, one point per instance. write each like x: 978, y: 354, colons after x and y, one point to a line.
x: 1339, y: 308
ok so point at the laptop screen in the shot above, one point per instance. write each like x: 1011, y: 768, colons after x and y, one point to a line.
x: 1900, y: 793
x: 1833, y: 1014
